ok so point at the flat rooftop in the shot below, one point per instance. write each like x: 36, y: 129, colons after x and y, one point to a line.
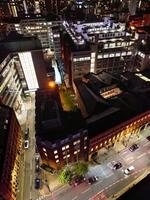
x: 52, y: 123
x: 81, y: 35
x: 112, y: 99
x: 42, y: 67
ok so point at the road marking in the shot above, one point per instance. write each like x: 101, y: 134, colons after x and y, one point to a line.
x: 110, y: 174
x: 124, y: 152
x: 129, y: 158
x: 85, y: 191
x: 140, y: 156
x: 75, y: 197
x: 145, y: 144
x: 98, y: 182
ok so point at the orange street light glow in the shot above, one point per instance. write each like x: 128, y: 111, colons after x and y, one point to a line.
x: 51, y: 84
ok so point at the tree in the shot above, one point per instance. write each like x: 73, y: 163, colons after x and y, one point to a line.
x: 81, y: 168
x: 65, y: 176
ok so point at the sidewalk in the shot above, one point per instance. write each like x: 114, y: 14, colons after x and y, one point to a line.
x: 103, y: 155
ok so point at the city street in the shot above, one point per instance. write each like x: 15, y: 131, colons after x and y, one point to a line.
x: 111, y: 181
x: 29, y: 154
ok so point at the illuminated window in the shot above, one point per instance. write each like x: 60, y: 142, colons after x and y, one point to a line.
x: 63, y: 148
x: 68, y: 155
x: 76, y: 142
x: 55, y: 151
x: 105, y: 142
x: 56, y: 156
x: 57, y: 161
x: 101, y: 145
x: 45, y: 154
x: 91, y: 149
x: 67, y: 146
x: 44, y: 149
x: 105, y: 55
x: 85, y: 147
x: 85, y: 138
x: 75, y: 152
x: 96, y: 147
x: 100, y: 56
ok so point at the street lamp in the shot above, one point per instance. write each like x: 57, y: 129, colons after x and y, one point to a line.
x: 52, y: 84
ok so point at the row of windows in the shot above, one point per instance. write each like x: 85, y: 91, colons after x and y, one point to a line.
x: 100, y: 56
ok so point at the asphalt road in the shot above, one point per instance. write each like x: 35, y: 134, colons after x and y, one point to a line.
x: 29, y: 176
x: 110, y: 181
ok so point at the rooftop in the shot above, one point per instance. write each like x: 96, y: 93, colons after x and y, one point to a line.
x: 52, y: 123
x: 81, y: 32
x: 113, y: 98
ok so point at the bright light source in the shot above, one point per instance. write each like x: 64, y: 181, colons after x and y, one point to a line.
x: 51, y: 84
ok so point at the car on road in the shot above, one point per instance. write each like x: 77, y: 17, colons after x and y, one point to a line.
x: 37, y: 168
x: 37, y: 158
x: 133, y: 147
x: 117, y: 165
x: 148, y: 138
x: 26, y: 144
x: 37, y: 183
x: 26, y: 134
x: 92, y: 179
x: 129, y: 170
x: 76, y: 180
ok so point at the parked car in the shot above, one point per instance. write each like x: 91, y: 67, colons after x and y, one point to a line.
x: 37, y: 158
x: 26, y: 134
x: 37, y: 168
x: 133, y: 147
x: 26, y: 144
x: 37, y: 183
x: 148, y: 138
x: 117, y: 165
x: 129, y: 170
x: 76, y: 180
x: 92, y: 179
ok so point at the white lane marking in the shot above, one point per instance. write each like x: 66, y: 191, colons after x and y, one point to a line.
x: 85, y: 191
x: 140, y: 156
x: 129, y: 158
x: 145, y: 144
x: 110, y: 174
x: 75, y: 197
x: 124, y: 152
x: 98, y: 182
x: 131, y: 161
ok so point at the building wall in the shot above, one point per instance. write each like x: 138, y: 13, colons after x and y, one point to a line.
x: 10, y: 83
x: 62, y: 152
x: 9, y: 179
x: 118, y: 133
